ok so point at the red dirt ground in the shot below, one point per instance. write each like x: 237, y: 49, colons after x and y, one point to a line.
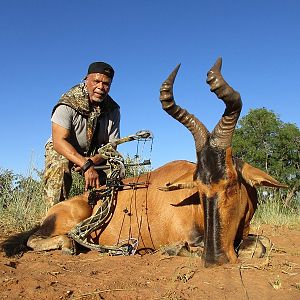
x: 51, y: 275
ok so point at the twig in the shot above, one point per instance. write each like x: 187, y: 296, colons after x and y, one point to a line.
x: 81, y: 260
x: 101, y: 291
x: 290, y: 274
x: 245, y: 290
x: 167, y: 257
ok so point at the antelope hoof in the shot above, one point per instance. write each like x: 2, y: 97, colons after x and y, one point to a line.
x: 254, y: 246
x: 69, y: 247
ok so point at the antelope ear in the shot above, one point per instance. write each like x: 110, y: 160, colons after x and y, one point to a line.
x: 256, y: 177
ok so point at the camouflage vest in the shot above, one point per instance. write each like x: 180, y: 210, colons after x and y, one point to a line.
x: 78, y: 99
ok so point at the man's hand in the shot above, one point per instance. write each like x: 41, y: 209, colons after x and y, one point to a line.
x: 91, y: 179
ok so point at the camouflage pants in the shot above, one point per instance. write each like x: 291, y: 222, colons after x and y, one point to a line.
x: 57, y: 176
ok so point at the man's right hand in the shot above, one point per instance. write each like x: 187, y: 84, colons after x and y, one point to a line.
x: 91, y: 179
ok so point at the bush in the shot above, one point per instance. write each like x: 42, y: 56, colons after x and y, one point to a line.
x: 21, y: 203
x: 77, y: 184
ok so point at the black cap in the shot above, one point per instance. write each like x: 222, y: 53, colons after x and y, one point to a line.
x: 102, y: 68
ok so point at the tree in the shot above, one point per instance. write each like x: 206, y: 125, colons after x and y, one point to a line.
x: 266, y: 142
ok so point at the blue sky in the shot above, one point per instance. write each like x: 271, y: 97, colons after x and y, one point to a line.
x: 46, y: 47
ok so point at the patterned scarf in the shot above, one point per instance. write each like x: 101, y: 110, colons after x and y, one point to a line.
x: 78, y: 99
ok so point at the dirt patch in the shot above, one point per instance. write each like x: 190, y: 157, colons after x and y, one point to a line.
x: 51, y: 275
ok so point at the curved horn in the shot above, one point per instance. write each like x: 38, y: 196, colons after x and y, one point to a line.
x: 222, y: 134
x: 198, y: 130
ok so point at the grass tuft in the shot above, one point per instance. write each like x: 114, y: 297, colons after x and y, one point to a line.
x: 272, y: 211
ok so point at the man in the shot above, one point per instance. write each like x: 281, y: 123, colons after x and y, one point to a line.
x: 84, y: 119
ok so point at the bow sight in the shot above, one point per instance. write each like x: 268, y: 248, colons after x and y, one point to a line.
x: 116, y: 160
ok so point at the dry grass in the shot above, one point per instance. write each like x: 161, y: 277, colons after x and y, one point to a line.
x: 274, y: 212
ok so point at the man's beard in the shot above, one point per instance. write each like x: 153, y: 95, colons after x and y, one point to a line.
x: 99, y: 100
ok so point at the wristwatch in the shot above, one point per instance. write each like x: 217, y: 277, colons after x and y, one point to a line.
x: 87, y: 165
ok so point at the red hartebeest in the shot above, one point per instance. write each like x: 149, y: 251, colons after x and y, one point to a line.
x: 209, y: 203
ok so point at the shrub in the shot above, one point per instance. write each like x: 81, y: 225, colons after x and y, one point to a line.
x: 21, y: 203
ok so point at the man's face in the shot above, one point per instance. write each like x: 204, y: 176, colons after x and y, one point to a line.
x: 97, y: 86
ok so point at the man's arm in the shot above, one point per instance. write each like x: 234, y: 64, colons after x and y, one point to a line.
x: 60, y: 137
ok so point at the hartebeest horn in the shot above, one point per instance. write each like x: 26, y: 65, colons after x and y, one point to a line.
x: 222, y: 134
x: 198, y: 130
